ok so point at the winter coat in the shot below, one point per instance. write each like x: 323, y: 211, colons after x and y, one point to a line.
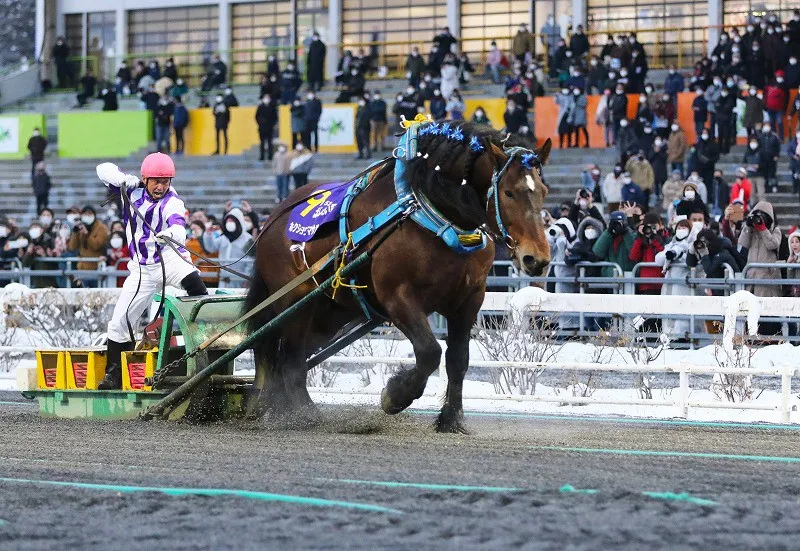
x: 222, y: 116
x: 601, y: 115
x: 770, y: 145
x: 415, y: 65
x: 615, y: 248
x: 633, y: 193
x: 41, y: 183
x: 675, y: 268
x: 641, y: 173
x: 671, y: 191
x: 266, y: 116
x: 612, y: 188
x: 673, y: 84
x: 438, y: 108
x: 676, y: 146
x: 231, y: 246
x: 658, y: 160
x: 579, y: 44
x: 627, y: 141
x: 618, y: 107
x: 700, y: 108
x: 315, y: 71
x: 90, y: 245
x: 753, y: 111
x: 515, y: 120
x: 522, y: 43
x: 645, y: 250
x: 580, y: 250
x: 298, y: 114
x: 37, y: 145
x: 578, y: 116
x: 280, y: 163
x: 312, y: 113
x: 775, y: 98
x: 762, y: 246
x: 558, y: 251
x: 377, y: 110
x: 707, y: 154
x: 565, y: 105
x: 449, y: 80
x: 180, y: 117
x: 725, y: 105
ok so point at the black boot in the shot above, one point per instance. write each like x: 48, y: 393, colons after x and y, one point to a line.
x: 113, y: 378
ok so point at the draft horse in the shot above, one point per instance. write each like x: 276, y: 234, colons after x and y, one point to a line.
x: 413, y: 273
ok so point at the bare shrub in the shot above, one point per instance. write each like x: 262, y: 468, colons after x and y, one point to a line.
x: 733, y: 387
x: 642, y: 353
x: 517, y: 337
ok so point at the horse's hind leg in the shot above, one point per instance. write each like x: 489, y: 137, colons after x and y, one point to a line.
x: 408, y: 385
x: 300, y: 409
x: 459, y: 325
x: 268, y: 391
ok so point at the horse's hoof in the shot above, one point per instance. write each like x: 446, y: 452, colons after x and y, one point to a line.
x: 389, y: 407
x: 450, y: 422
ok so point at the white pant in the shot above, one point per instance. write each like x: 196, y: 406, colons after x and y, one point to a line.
x: 133, y: 303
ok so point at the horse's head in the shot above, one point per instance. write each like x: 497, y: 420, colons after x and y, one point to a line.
x: 515, y: 205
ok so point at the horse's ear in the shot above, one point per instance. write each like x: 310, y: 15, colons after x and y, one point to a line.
x: 499, y: 155
x: 544, y: 152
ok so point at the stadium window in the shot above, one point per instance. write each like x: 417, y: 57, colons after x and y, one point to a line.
x: 485, y: 20
x: 392, y: 21
x: 256, y: 28
x: 671, y: 31
x: 738, y: 12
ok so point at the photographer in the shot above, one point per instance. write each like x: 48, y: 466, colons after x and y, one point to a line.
x: 710, y: 252
x: 761, y: 236
x: 732, y: 221
x: 40, y: 245
x: 559, y: 236
x: 615, y: 244
x: 583, y: 207
x: 647, y: 245
x: 673, y: 262
x: 90, y: 239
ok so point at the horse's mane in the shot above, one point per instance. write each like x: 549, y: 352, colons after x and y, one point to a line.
x: 454, y: 147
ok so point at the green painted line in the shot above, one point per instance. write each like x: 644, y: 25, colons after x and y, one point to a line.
x: 670, y: 496
x: 423, y: 486
x: 19, y: 403
x: 261, y: 496
x: 3, y: 522
x: 622, y: 420
x: 569, y: 489
x: 700, y: 455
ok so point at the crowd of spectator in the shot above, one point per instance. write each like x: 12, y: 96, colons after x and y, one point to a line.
x: 99, y: 239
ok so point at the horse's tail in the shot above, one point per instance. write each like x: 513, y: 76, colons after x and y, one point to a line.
x: 256, y: 294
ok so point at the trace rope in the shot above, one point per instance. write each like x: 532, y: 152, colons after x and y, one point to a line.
x: 337, y: 280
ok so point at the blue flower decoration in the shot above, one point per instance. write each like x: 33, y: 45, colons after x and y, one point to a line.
x: 444, y: 130
x: 457, y: 135
x: 528, y: 159
x: 476, y: 146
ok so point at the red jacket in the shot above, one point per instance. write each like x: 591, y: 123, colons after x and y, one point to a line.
x: 644, y: 251
x: 736, y: 190
x: 775, y: 98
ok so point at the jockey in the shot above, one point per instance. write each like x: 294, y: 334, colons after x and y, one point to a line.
x: 159, y: 204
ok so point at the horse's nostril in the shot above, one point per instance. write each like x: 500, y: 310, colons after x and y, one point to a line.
x: 529, y: 260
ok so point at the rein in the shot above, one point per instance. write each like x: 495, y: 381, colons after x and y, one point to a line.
x: 494, y: 192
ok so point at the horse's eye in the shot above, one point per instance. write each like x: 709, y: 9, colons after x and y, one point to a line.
x: 509, y: 194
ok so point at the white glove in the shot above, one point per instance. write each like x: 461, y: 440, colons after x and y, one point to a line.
x: 175, y: 232
x: 131, y: 182
x: 110, y: 174
x: 162, y: 235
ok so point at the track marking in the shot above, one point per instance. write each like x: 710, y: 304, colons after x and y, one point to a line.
x: 261, y: 496
x: 622, y: 420
x: 657, y: 453
x: 424, y: 486
x: 570, y: 489
x: 18, y: 404
x: 670, y: 496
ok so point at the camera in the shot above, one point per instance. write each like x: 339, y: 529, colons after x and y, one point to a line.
x: 699, y: 245
x: 584, y: 194
x: 755, y: 219
x: 616, y: 227
x: 647, y: 229
x: 553, y: 231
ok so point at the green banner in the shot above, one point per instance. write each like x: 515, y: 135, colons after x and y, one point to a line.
x: 15, y: 131
x: 103, y: 134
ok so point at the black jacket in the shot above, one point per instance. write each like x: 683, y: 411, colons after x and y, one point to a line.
x: 266, y: 115
x: 515, y: 120
x: 41, y: 183
x: 312, y: 113
x: 37, y: 145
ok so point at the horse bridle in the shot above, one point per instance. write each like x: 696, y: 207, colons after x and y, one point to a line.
x: 527, y: 157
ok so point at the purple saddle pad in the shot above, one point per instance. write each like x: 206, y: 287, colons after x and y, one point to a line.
x: 323, y: 207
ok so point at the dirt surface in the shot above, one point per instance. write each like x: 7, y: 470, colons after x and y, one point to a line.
x: 756, y: 501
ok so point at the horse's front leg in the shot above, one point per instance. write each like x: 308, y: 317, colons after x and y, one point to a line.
x: 459, y: 326
x: 406, y: 386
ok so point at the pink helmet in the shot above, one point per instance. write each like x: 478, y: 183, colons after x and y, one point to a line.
x: 158, y: 165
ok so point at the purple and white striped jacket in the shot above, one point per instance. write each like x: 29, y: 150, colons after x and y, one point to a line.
x: 167, y: 213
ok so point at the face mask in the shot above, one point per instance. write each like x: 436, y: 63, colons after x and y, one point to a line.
x: 626, y: 180
x: 623, y: 73
x: 623, y: 124
x: 699, y: 92
x: 46, y: 220
x: 792, y: 62
x: 704, y: 137
x: 766, y: 129
x: 565, y: 91
x: 750, y: 28
x: 596, y: 172
x: 116, y: 242
x: 248, y: 225
x: 219, y: 99
x: 643, y: 99
x: 724, y: 93
x: 649, y: 90
x: 779, y: 80
x: 594, y: 63
x: 590, y: 234
x: 35, y: 233
x: 648, y: 130
x: 682, y: 233
x: 409, y: 90
x: 674, y: 127
x: 87, y: 219
x: 756, y: 48
x: 230, y: 226
x: 73, y: 218
x: 309, y: 97
x: 583, y: 203
x: 689, y: 194
x: 479, y: 113
x: 576, y: 92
